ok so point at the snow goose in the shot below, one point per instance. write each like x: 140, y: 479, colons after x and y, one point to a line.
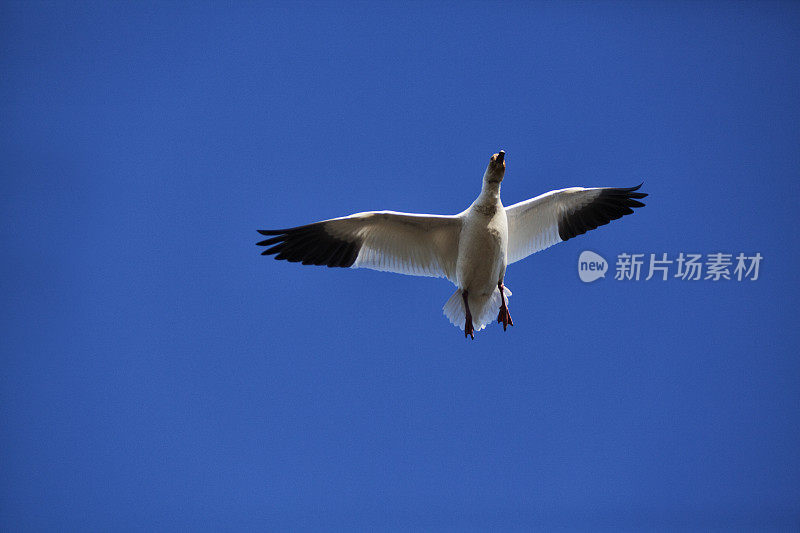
x: 471, y: 249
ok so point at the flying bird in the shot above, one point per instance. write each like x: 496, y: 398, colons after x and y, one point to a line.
x: 471, y: 249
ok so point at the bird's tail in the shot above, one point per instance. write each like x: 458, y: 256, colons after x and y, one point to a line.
x: 484, y: 309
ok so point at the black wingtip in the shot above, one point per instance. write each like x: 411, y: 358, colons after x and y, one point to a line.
x: 638, y: 194
x: 631, y: 189
x: 630, y: 192
x: 267, y: 242
x: 611, y: 204
x: 310, y: 245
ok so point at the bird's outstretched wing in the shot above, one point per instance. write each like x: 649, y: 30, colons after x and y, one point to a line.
x: 406, y: 243
x: 559, y: 215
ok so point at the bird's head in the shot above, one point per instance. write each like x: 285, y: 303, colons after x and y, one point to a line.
x: 496, y: 169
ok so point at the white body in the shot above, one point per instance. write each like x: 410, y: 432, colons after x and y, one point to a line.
x: 482, y: 258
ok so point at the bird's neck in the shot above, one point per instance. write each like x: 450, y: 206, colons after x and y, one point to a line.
x: 490, y: 193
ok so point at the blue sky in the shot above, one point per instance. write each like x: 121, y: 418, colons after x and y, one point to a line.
x: 159, y: 374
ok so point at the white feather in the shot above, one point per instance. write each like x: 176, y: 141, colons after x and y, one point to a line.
x: 484, y: 309
x: 406, y: 243
x: 533, y: 224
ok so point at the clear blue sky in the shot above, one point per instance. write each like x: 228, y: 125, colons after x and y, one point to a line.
x: 157, y: 373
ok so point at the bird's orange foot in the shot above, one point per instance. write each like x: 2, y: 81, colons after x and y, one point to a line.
x: 469, y: 329
x: 504, y: 317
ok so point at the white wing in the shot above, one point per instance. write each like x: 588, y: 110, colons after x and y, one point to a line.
x: 406, y: 243
x: 556, y: 216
